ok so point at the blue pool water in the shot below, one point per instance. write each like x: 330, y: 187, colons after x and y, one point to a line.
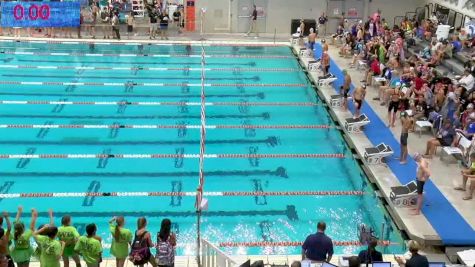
x: 229, y: 219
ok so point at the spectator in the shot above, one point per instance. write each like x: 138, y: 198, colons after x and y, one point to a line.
x: 445, y: 137
x: 164, y: 19
x: 302, y: 28
x: 416, y: 259
x: 296, y: 264
x: 89, y: 247
x: 322, y: 21
x: 354, y: 261
x: 467, y: 81
x: 116, y: 25
x: 370, y: 254
x: 153, y: 18
x: 69, y: 235
x: 375, y: 70
x: 457, y: 45
x: 166, y: 243
x: 318, y: 247
x: 5, y: 259
x: 21, y: 251
x: 121, y: 240
x: 50, y: 248
x: 142, y: 240
x: 130, y: 24
x: 253, y: 22
x: 468, y: 174
x: 106, y: 23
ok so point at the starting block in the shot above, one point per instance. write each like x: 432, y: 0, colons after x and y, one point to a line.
x: 313, y: 65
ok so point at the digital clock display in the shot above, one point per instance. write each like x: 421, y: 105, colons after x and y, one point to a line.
x: 40, y: 14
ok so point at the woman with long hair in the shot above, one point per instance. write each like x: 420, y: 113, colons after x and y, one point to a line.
x: 166, y: 243
x: 22, y: 250
x: 142, y: 244
x: 121, y: 240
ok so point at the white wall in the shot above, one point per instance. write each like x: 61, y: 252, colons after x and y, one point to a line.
x: 280, y: 12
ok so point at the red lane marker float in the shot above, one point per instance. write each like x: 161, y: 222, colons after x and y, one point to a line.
x: 153, y: 126
x: 182, y: 103
x: 155, y: 156
x: 297, y: 244
x: 183, y: 194
x: 259, y: 84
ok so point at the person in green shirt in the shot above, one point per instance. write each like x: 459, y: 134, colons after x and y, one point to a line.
x: 69, y: 235
x: 21, y: 249
x: 89, y: 247
x: 121, y: 240
x: 51, y: 249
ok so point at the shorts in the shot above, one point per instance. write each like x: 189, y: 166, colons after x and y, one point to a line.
x: 163, y: 26
x: 130, y: 28
x: 311, y: 45
x: 393, y: 105
x: 442, y: 142
x: 403, y: 139
x: 420, y: 187
x: 326, y: 68
x: 153, y: 26
x: 345, y: 92
x: 359, y: 102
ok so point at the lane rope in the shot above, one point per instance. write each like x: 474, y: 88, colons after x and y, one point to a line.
x: 154, y: 126
x: 182, y: 194
x: 157, y: 156
x: 147, y: 68
x: 53, y: 83
x: 145, y: 103
x: 79, y: 54
x: 299, y: 243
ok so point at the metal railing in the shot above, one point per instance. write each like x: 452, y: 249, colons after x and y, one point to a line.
x: 212, y: 256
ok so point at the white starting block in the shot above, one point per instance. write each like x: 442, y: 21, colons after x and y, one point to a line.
x: 295, y: 40
x: 305, y: 52
x: 404, y: 195
x: 335, y: 101
x: 325, y: 81
x: 313, y: 65
x: 353, y: 125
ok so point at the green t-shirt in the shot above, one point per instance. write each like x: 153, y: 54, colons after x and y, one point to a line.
x: 21, y: 250
x: 90, y: 249
x: 120, y: 246
x: 69, y: 235
x: 50, y: 251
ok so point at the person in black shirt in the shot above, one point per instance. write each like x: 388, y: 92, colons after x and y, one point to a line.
x: 371, y: 254
x: 253, y: 25
x: 322, y: 22
x: 164, y: 25
x: 416, y: 259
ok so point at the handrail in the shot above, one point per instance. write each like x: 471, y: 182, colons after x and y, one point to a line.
x: 212, y: 256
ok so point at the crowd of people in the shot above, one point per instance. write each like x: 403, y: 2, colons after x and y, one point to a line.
x: 54, y: 244
x: 410, y: 83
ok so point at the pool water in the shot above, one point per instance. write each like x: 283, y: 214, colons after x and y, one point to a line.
x: 157, y: 73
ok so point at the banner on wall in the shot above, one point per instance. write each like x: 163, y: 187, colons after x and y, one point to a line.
x: 352, y: 13
x: 40, y: 14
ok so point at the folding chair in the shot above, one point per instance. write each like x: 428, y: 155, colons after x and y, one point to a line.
x: 375, y: 155
x: 460, y: 152
x: 353, y: 125
x: 404, y: 195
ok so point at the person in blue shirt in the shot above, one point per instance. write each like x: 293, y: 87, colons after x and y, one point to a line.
x: 318, y: 247
x: 457, y: 45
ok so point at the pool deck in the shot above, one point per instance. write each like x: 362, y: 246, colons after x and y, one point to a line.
x: 445, y: 176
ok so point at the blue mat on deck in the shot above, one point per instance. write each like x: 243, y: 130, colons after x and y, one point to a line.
x: 452, y: 228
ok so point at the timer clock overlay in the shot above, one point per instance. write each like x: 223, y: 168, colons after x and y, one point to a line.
x: 40, y: 14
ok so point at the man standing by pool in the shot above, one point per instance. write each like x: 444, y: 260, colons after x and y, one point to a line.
x: 422, y: 175
x: 318, y: 247
x: 253, y: 22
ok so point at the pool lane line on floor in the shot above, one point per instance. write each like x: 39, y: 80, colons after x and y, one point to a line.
x: 152, y: 55
x: 145, y: 103
x: 53, y: 83
x: 133, y: 95
x: 183, y: 194
x: 264, y: 115
x: 278, y: 172
x: 159, y: 156
x: 139, y: 68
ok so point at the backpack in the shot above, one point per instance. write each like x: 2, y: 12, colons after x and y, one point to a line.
x: 140, y: 252
x: 165, y: 254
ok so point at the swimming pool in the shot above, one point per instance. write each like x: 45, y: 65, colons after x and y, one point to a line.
x: 75, y: 99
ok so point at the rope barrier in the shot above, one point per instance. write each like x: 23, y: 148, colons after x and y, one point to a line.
x: 153, y: 126
x: 297, y: 244
x: 155, y: 156
x: 78, y: 54
x: 141, y: 103
x: 156, y: 84
x: 182, y: 194
x: 147, y: 68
